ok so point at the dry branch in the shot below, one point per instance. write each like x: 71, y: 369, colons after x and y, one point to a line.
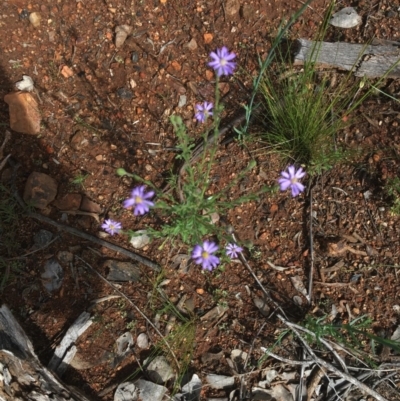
x: 23, y: 375
x: 373, y: 60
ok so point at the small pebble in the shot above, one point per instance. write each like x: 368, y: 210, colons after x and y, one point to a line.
x: 135, y: 57
x: 24, y: 14
x: 124, y: 93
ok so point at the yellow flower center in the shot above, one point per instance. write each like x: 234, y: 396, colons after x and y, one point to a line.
x: 293, y: 180
x: 138, y: 199
x: 205, y: 255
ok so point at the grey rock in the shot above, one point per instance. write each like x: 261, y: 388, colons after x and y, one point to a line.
x: 345, y: 18
x: 135, y: 57
x: 124, y: 93
x: 220, y: 382
x: 142, y: 341
x: 159, y: 370
x: 124, y: 343
x: 140, y: 240
x: 126, y: 392
x: 42, y: 238
x: 53, y: 275
x: 122, y: 271
x: 182, y: 100
x: 150, y: 391
x: 192, y: 390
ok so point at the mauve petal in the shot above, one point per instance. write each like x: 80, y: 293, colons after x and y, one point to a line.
x: 285, y: 174
x: 214, y: 55
x: 149, y: 195
x: 230, y: 56
x: 198, y: 261
x: 300, y: 186
x: 128, y: 203
x: 292, y: 171
x: 213, y: 260
x: 210, y: 247
x: 284, y: 184
x: 206, y: 266
x: 300, y: 173
x: 295, y: 190
x: 197, y: 250
x: 140, y: 210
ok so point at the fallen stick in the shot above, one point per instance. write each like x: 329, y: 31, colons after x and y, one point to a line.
x: 23, y: 375
x: 370, y: 60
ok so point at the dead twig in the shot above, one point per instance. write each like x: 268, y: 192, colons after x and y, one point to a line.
x: 329, y: 366
x: 286, y: 360
x: 310, y: 279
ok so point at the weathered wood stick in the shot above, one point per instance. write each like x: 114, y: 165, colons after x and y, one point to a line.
x: 23, y: 375
x: 370, y: 60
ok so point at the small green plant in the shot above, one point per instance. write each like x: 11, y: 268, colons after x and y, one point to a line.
x: 392, y: 188
x: 221, y: 297
x: 79, y: 180
x: 188, y: 217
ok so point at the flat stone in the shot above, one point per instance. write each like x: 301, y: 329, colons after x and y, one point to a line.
x: 68, y: 202
x: 121, y: 271
x: 24, y: 112
x: 232, y: 7
x: 140, y: 239
x: 142, y: 341
x: 150, y: 391
x: 79, y: 140
x: 89, y: 206
x: 346, y: 18
x: 42, y: 238
x: 159, y: 370
x: 52, y: 276
x: 220, y: 382
x: 40, y: 190
x: 126, y: 391
x: 192, y: 45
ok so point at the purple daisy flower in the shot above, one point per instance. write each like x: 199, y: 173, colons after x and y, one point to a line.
x: 291, y: 179
x: 203, y: 255
x: 139, y: 200
x: 222, y: 61
x: 203, y: 111
x: 232, y: 250
x: 111, y: 226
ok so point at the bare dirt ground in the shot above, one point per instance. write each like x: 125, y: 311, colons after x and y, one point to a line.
x: 113, y: 111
